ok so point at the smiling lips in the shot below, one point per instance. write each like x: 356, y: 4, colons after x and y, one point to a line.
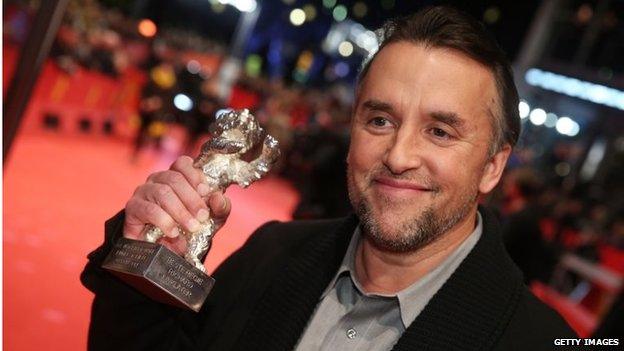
x: 398, y: 184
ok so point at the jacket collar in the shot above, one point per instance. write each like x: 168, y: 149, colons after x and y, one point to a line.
x: 474, y: 306
x: 469, y: 312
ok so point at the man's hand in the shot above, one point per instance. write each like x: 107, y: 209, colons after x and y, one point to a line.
x: 179, y: 195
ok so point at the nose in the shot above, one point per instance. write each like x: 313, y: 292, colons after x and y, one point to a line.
x: 405, y: 151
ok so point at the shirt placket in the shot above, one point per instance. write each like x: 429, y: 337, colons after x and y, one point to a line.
x: 352, y: 331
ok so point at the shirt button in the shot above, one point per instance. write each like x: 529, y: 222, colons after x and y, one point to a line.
x: 351, y: 333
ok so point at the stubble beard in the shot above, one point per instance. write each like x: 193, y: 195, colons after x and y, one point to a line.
x: 413, y: 233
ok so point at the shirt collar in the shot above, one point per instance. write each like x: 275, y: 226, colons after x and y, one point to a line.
x: 414, y: 298
x: 347, y: 266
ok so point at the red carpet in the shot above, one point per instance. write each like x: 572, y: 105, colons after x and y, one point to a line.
x: 58, y: 190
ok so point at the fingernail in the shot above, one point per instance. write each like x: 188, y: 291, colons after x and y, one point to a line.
x: 175, y: 233
x: 203, y: 215
x: 203, y: 189
x: 193, y: 225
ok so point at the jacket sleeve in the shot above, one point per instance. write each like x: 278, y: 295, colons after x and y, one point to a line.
x: 124, y: 319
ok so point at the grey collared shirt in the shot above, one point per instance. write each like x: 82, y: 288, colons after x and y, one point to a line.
x: 347, y: 318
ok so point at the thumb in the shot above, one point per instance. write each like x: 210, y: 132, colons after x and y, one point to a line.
x: 220, y: 207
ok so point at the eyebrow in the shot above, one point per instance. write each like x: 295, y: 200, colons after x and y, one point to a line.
x: 450, y: 118
x: 378, y: 105
x: 447, y: 117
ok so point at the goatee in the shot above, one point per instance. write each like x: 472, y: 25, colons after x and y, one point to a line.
x: 414, y: 233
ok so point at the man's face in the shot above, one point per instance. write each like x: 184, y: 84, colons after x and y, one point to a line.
x: 419, y: 142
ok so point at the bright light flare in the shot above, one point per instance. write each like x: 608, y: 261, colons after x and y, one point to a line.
x: 297, y: 17
x: 147, y: 28
x: 567, y: 126
x: 537, y: 116
x: 524, y: 109
x: 345, y: 49
x: 183, y: 102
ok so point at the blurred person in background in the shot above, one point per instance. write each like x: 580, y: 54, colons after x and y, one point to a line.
x: 420, y: 265
x: 155, y: 106
x: 323, y: 148
x: 522, y: 234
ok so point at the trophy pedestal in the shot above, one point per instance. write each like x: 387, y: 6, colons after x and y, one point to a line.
x: 159, y: 273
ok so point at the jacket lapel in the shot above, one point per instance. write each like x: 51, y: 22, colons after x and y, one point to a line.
x: 474, y: 306
x: 283, y: 312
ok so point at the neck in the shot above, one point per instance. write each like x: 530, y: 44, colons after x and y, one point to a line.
x: 385, y: 272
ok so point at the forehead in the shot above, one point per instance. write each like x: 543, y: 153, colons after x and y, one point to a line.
x: 411, y: 76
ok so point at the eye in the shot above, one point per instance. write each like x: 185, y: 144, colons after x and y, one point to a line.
x: 440, y: 133
x: 379, y: 122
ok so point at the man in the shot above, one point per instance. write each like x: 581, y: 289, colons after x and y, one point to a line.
x: 418, y: 268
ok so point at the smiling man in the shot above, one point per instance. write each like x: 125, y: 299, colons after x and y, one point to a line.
x: 420, y: 265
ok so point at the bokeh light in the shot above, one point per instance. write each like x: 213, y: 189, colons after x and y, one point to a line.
x: 147, y: 28
x: 297, y: 17
x: 310, y: 12
x: 340, y: 13
x: 551, y: 120
x: 329, y: 3
x: 345, y: 49
x: 537, y: 116
x: 567, y: 126
x: 183, y: 102
x: 524, y: 109
x: 360, y: 9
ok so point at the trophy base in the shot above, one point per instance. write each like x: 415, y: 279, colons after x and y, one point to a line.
x: 159, y: 273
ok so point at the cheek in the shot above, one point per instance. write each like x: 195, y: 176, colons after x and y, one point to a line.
x: 452, y: 172
x: 357, y: 166
x: 365, y: 153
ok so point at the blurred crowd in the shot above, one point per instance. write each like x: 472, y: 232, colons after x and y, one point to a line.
x: 182, y: 88
x: 542, y: 220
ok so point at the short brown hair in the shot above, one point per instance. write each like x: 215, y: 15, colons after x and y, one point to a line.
x: 447, y: 27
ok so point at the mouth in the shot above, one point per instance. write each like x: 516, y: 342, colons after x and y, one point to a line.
x: 398, y: 185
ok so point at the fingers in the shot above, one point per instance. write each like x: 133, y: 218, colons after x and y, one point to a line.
x: 194, y: 176
x: 139, y: 212
x: 180, y: 197
x: 188, y: 195
x: 166, y: 198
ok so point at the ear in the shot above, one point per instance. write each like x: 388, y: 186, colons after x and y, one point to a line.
x: 494, y: 170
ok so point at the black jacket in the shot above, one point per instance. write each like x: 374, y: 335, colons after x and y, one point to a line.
x: 266, y: 292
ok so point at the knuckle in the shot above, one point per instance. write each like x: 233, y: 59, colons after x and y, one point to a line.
x: 174, y: 177
x: 163, y: 191
x: 153, y: 177
x: 151, y: 210
x: 181, y: 162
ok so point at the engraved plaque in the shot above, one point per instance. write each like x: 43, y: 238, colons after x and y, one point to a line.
x: 159, y: 273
